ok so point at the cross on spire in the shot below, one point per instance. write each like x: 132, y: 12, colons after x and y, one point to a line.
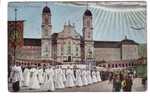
x: 15, y: 14
x: 65, y: 23
x: 69, y: 22
x: 87, y: 5
x: 73, y: 24
x: 46, y: 3
x: 125, y: 36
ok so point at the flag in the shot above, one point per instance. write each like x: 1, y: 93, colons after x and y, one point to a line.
x: 15, y: 33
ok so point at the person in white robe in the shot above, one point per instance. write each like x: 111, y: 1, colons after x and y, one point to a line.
x: 84, y: 78
x: 26, y: 75
x: 49, y: 76
x: 51, y: 80
x: 16, y: 77
x: 34, y: 82
x: 58, y: 78
x: 40, y: 75
x: 73, y: 71
x: 21, y: 74
x: 70, y: 78
x: 98, y: 76
x: 89, y: 78
x: 64, y: 76
x: 55, y: 77
x: 61, y: 77
x: 78, y: 78
x: 45, y: 77
x: 94, y: 78
x: 31, y: 76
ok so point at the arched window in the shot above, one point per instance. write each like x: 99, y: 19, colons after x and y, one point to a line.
x: 46, y: 51
x: 62, y: 49
x: 132, y: 64
x: 46, y: 19
x: 112, y: 65
x: 77, y: 50
x: 108, y: 65
x: 129, y: 64
x: 69, y: 48
x: 119, y: 65
x: 116, y: 65
x: 88, y: 23
x: 89, y: 35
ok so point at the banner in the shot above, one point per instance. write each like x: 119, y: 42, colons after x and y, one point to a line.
x: 15, y: 33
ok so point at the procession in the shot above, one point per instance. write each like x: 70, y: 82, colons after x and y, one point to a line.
x: 80, y: 51
x: 45, y: 77
x: 52, y: 77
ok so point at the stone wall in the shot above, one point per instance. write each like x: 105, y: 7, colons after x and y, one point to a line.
x: 129, y: 52
x: 107, y: 54
x: 69, y: 47
x: 29, y: 52
x: 142, y: 49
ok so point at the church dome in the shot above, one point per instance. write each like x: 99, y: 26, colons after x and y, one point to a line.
x: 127, y: 41
x: 87, y: 13
x: 46, y: 10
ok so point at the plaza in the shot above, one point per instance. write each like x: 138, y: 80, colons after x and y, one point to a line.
x: 74, y: 56
x: 104, y: 86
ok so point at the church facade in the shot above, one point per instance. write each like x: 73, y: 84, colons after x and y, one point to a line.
x: 69, y: 46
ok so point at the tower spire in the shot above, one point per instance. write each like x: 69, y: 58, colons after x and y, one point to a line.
x: 68, y: 22
x: 73, y: 24
x: 46, y: 3
x: 65, y: 23
x: 125, y: 36
x: 87, y: 5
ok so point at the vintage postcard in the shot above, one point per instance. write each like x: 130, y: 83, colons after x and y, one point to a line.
x: 77, y: 46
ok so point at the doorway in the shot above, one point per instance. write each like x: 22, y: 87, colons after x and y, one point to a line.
x: 69, y: 58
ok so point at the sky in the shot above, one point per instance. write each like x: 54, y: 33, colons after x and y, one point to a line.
x: 110, y: 24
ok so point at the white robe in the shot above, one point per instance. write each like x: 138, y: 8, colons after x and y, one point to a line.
x: 45, y: 76
x: 55, y: 78
x: 31, y: 77
x: 89, y: 78
x: 34, y: 82
x: 73, y: 75
x: 26, y: 75
x: 16, y: 74
x: 84, y: 78
x: 64, y: 76
x: 40, y: 76
x: 49, y: 80
x: 21, y: 75
x: 58, y: 79
x: 98, y: 76
x: 94, y: 78
x: 70, y: 78
x: 78, y: 78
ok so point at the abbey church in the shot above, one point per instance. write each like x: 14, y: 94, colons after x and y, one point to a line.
x: 69, y: 46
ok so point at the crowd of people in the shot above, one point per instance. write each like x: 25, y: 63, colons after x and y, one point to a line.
x: 50, y: 77
x: 122, y: 81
